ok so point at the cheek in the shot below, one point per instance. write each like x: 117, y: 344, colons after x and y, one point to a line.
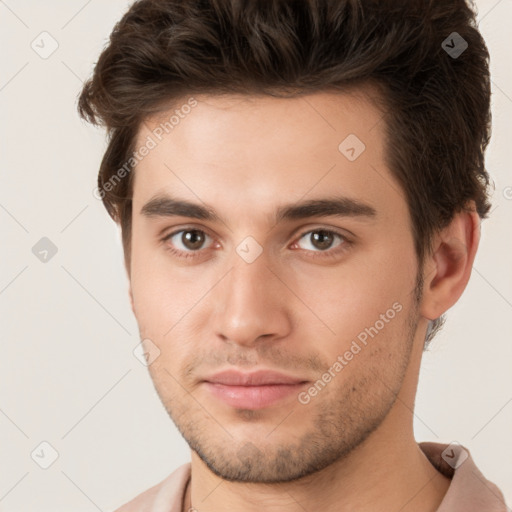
x: 154, y: 287
x: 151, y: 290
x: 352, y: 297
x: 167, y: 301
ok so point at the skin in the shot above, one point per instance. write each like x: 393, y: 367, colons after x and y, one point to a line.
x: 288, y: 310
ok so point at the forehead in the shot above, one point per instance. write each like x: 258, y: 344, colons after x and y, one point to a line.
x: 254, y: 150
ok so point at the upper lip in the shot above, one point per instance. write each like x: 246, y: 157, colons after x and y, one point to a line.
x: 258, y: 378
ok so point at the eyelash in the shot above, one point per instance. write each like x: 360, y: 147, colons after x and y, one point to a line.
x: 329, y: 253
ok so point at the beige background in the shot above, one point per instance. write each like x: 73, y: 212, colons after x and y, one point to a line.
x: 67, y: 372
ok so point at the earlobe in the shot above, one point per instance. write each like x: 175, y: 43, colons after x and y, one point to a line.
x: 448, y: 268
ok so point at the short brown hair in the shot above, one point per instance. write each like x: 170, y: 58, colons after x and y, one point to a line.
x: 437, y: 99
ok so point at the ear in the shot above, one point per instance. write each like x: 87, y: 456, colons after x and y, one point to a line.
x: 448, y: 268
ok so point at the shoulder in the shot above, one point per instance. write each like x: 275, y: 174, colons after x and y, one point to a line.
x: 469, y: 490
x: 166, y: 496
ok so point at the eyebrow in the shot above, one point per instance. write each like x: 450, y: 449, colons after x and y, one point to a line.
x: 339, y: 206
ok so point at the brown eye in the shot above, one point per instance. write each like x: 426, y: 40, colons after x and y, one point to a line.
x: 192, y: 240
x: 321, y: 240
x: 187, y: 240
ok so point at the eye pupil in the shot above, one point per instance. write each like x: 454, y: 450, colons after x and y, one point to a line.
x: 322, y: 239
x: 192, y: 239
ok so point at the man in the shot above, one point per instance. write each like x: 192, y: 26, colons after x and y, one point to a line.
x: 299, y: 187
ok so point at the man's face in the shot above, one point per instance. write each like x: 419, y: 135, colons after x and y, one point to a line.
x: 245, y: 291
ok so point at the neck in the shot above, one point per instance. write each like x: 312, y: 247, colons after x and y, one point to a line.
x: 388, y: 471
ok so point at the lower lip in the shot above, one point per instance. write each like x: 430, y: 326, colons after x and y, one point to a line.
x: 253, y: 397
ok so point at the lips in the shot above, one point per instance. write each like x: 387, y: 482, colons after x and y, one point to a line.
x: 259, y: 378
x: 256, y: 390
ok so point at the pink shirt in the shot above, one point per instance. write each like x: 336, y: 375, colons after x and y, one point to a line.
x: 469, y: 491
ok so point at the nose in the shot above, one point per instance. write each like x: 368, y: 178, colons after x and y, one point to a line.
x: 251, y: 304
